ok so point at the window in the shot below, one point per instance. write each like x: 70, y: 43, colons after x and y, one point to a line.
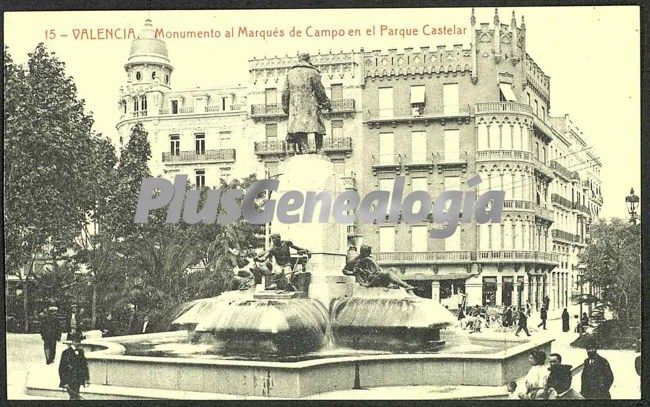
x: 136, y: 105
x: 386, y: 102
x: 506, y: 93
x: 224, y: 138
x: 386, y: 184
x: 452, y: 145
x: 200, y: 178
x: 143, y: 102
x: 226, y: 103
x: 536, y: 108
x: 271, y: 132
x: 543, y: 113
x: 174, y: 106
x: 124, y: 106
x: 153, y: 75
x: 508, y: 286
x: 138, y: 75
x: 418, y: 184
x: 417, y: 99
x: 537, y: 149
x: 175, y: 144
x: 529, y: 102
x: 419, y: 146
x: 489, y: 290
x: 270, y: 97
x: 199, y: 140
x: 452, y: 243
x: 337, y: 128
x: 451, y: 184
x: 337, y: 91
x: 450, y: 98
x: 543, y: 154
x: 419, y: 238
x: 386, y: 148
x: 167, y: 79
x: 387, y: 239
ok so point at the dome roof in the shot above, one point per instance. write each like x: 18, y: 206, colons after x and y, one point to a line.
x: 147, y: 48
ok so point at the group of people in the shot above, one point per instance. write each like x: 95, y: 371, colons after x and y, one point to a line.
x: 553, y: 381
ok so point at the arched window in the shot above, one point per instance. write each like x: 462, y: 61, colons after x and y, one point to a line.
x: 138, y: 75
x: 506, y: 136
x: 167, y: 79
x: 143, y: 102
x: 482, y: 136
x: 495, y: 131
x: 153, y: 75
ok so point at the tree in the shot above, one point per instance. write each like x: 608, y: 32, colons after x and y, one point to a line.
x: 48, y: 156
x: 613, y: 263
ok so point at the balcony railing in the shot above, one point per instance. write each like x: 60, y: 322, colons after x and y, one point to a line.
x: 139, y: 113
x: 544, y: 213
x: 409, y: 113
x: 342, y: 106
x: 349, y: 183
x: 516, y: 256
x: 543, y: 167
x: 558, y: 199
x: 560, y: 169
x: 517, y: 204
x: 503, y: 107
x: 221, y: 155
x: 544, y: 127
x: 425, y: 257
x: 259, y: 111
x: 581, y: 208
x: 419, y: 160
x: 386, y: 160
x: 186, y: 109
x: 561, y: 234
x: 452, y: 157
x: 206, y: 109
x: 503, y: 155
x: 330, y: 145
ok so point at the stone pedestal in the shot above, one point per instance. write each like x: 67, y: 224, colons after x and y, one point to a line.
x: 326, y: 241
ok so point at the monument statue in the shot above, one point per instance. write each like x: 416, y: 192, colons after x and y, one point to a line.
x: 303, y: 97
x: 280, y: 250
x: 364, y: 267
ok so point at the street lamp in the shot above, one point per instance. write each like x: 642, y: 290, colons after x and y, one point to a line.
x: 632, y: 201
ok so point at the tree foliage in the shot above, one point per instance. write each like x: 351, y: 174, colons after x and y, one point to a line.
x: 613, y: 263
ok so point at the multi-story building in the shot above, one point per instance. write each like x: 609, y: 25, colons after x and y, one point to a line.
x: 440, y: 116
x: 436, y: 116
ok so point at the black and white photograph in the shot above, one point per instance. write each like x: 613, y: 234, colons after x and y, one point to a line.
x: 323, y: 204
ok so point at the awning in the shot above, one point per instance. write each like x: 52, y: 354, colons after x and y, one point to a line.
x: 438, y: 277
x: 506, y: 91
x: 417, y: 94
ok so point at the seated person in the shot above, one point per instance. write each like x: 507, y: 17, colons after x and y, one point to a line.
x: 243, y: 277
x: 368, y: 273
x: 280, y: 250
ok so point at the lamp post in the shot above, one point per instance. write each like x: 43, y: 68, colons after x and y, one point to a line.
x: 632, y: 202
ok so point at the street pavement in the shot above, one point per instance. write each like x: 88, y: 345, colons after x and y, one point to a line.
x: 25, y: 352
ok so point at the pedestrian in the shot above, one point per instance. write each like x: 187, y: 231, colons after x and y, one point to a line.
x: 565, y: 320
x: 50, y: 333
x: 584, y: 322
x: 73, y: 369
x: 522, y: 323
x: 507, y: 317
x: 512, y: 390
x: 73, y: 321
x: 597, y: 376
x: 543, y: 314
x: 559, y: 378
x: 537, y: 377
x: 547, y: 301
x: 528, y: 309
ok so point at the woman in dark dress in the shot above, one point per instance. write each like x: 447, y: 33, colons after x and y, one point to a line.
x: 565, y: 320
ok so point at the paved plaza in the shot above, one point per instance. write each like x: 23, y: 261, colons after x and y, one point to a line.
x: 25, y: 353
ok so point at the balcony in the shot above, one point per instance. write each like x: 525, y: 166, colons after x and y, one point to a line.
x: 543, y: 169
x: 341, y: 106
x: 567, y: 237
x: 560, y: 200
x: 206, y: 109
x: 386, y: 162
x: 561, y: 170
x: 581, y: 208
x: 544, y: 213
x: 508, y: 155
x: 419, y: 161
x: 517, y: 204
x: 279, y: 147
x: 451, y: 160
x: 210, y: 156
x: 544, y: 129
x: 516, y: 256
x: 397, y: 258
x: 502, y: 107
x: 267, y: 111
x: 409, y: 114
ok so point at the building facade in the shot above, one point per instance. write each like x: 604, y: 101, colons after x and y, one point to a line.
x: 436, y: 116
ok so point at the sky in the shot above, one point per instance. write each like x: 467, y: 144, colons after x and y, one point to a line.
x: 591, y: 53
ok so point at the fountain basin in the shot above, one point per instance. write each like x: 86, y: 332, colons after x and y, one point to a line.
x: 307, y: 377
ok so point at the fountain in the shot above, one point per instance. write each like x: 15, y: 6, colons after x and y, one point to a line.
x: 335, y: 336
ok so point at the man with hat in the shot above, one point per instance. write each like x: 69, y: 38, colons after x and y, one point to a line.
x: 303, y: 97
x: 50, y: 333
x: 73, y: 322
x: 597, y: 376
x: 73, y: 369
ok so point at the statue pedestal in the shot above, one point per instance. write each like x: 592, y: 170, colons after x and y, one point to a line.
x: 326, y: 241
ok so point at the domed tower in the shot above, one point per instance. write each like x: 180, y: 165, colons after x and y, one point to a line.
x: 148, y: 73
